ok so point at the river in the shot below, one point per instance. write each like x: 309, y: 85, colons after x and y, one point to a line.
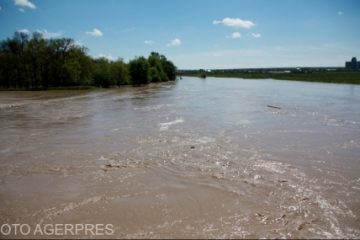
x: 195, y: 158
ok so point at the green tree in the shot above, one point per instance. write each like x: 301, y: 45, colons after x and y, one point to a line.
x: 154, y: 75
x: 101, y: 72
x: 119, y: 73
x: 139, y: 70
x: 37, y: 62
x: 169, y: 68
x: 157, y: 72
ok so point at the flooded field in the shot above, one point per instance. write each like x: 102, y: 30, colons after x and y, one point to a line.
x: 196, y: 158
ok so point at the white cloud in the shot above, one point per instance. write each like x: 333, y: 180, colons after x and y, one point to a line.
x: 46, y: 34
x: 95, y: 33
x: 235, y: 35
x: 149, y: 42
x: 21, y: 10
x: 25, y: 3
x: 235, y: 22
x: 174, y: 43
x: 340, y: 13
x: 256, y: 35
x: 26, y: 31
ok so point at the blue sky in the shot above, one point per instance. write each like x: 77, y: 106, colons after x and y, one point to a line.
x: 198, y: 33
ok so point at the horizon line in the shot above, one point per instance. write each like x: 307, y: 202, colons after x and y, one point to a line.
x: 248, y: 68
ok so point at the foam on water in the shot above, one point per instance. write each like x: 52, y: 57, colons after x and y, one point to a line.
x: 165, y: 126
x: 205, y: 140
x: 153, y: 108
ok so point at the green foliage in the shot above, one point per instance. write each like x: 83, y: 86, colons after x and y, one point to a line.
x: 157, y: 73
x: 139, y: 69
x: 119, y: 73
x: 41, y: 63
x: 169, y: 68
x: 161, y: 68
x: 154, y: 75
x: 107, y: 73
x: 101, y: 72
x: 36, y: 62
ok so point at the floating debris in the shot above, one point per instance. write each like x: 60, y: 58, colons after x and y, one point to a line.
x: 271, y: 106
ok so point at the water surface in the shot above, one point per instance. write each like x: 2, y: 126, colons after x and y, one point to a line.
x: 196, y: 158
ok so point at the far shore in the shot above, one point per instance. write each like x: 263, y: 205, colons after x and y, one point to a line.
x: 347, y: 77
x: 340, y: 77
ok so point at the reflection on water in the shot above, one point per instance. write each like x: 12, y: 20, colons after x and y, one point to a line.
x: 195, y: 158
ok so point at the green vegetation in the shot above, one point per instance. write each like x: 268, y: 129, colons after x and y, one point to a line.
x: 140, y: 70
x: 38, y: 63
x: 338, y: 75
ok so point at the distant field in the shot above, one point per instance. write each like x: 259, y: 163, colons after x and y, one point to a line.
x: 320, y: 76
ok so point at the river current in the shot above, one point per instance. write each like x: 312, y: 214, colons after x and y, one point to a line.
x: 195, y: 158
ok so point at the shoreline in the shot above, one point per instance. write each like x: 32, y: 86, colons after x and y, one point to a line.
x: 324, y: 77
x: 51, y: 88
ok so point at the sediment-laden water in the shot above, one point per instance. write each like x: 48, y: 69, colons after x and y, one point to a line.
x: 197, y: 158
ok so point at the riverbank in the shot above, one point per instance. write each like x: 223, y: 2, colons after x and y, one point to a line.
x: 52, y: 88
x: 316, y: 76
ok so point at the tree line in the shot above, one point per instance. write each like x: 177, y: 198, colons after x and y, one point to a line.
x: 34, y: 62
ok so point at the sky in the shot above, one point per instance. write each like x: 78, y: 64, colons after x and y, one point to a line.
x: 209, y: 34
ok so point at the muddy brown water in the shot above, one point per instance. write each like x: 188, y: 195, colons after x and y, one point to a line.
x: 196, y: 158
